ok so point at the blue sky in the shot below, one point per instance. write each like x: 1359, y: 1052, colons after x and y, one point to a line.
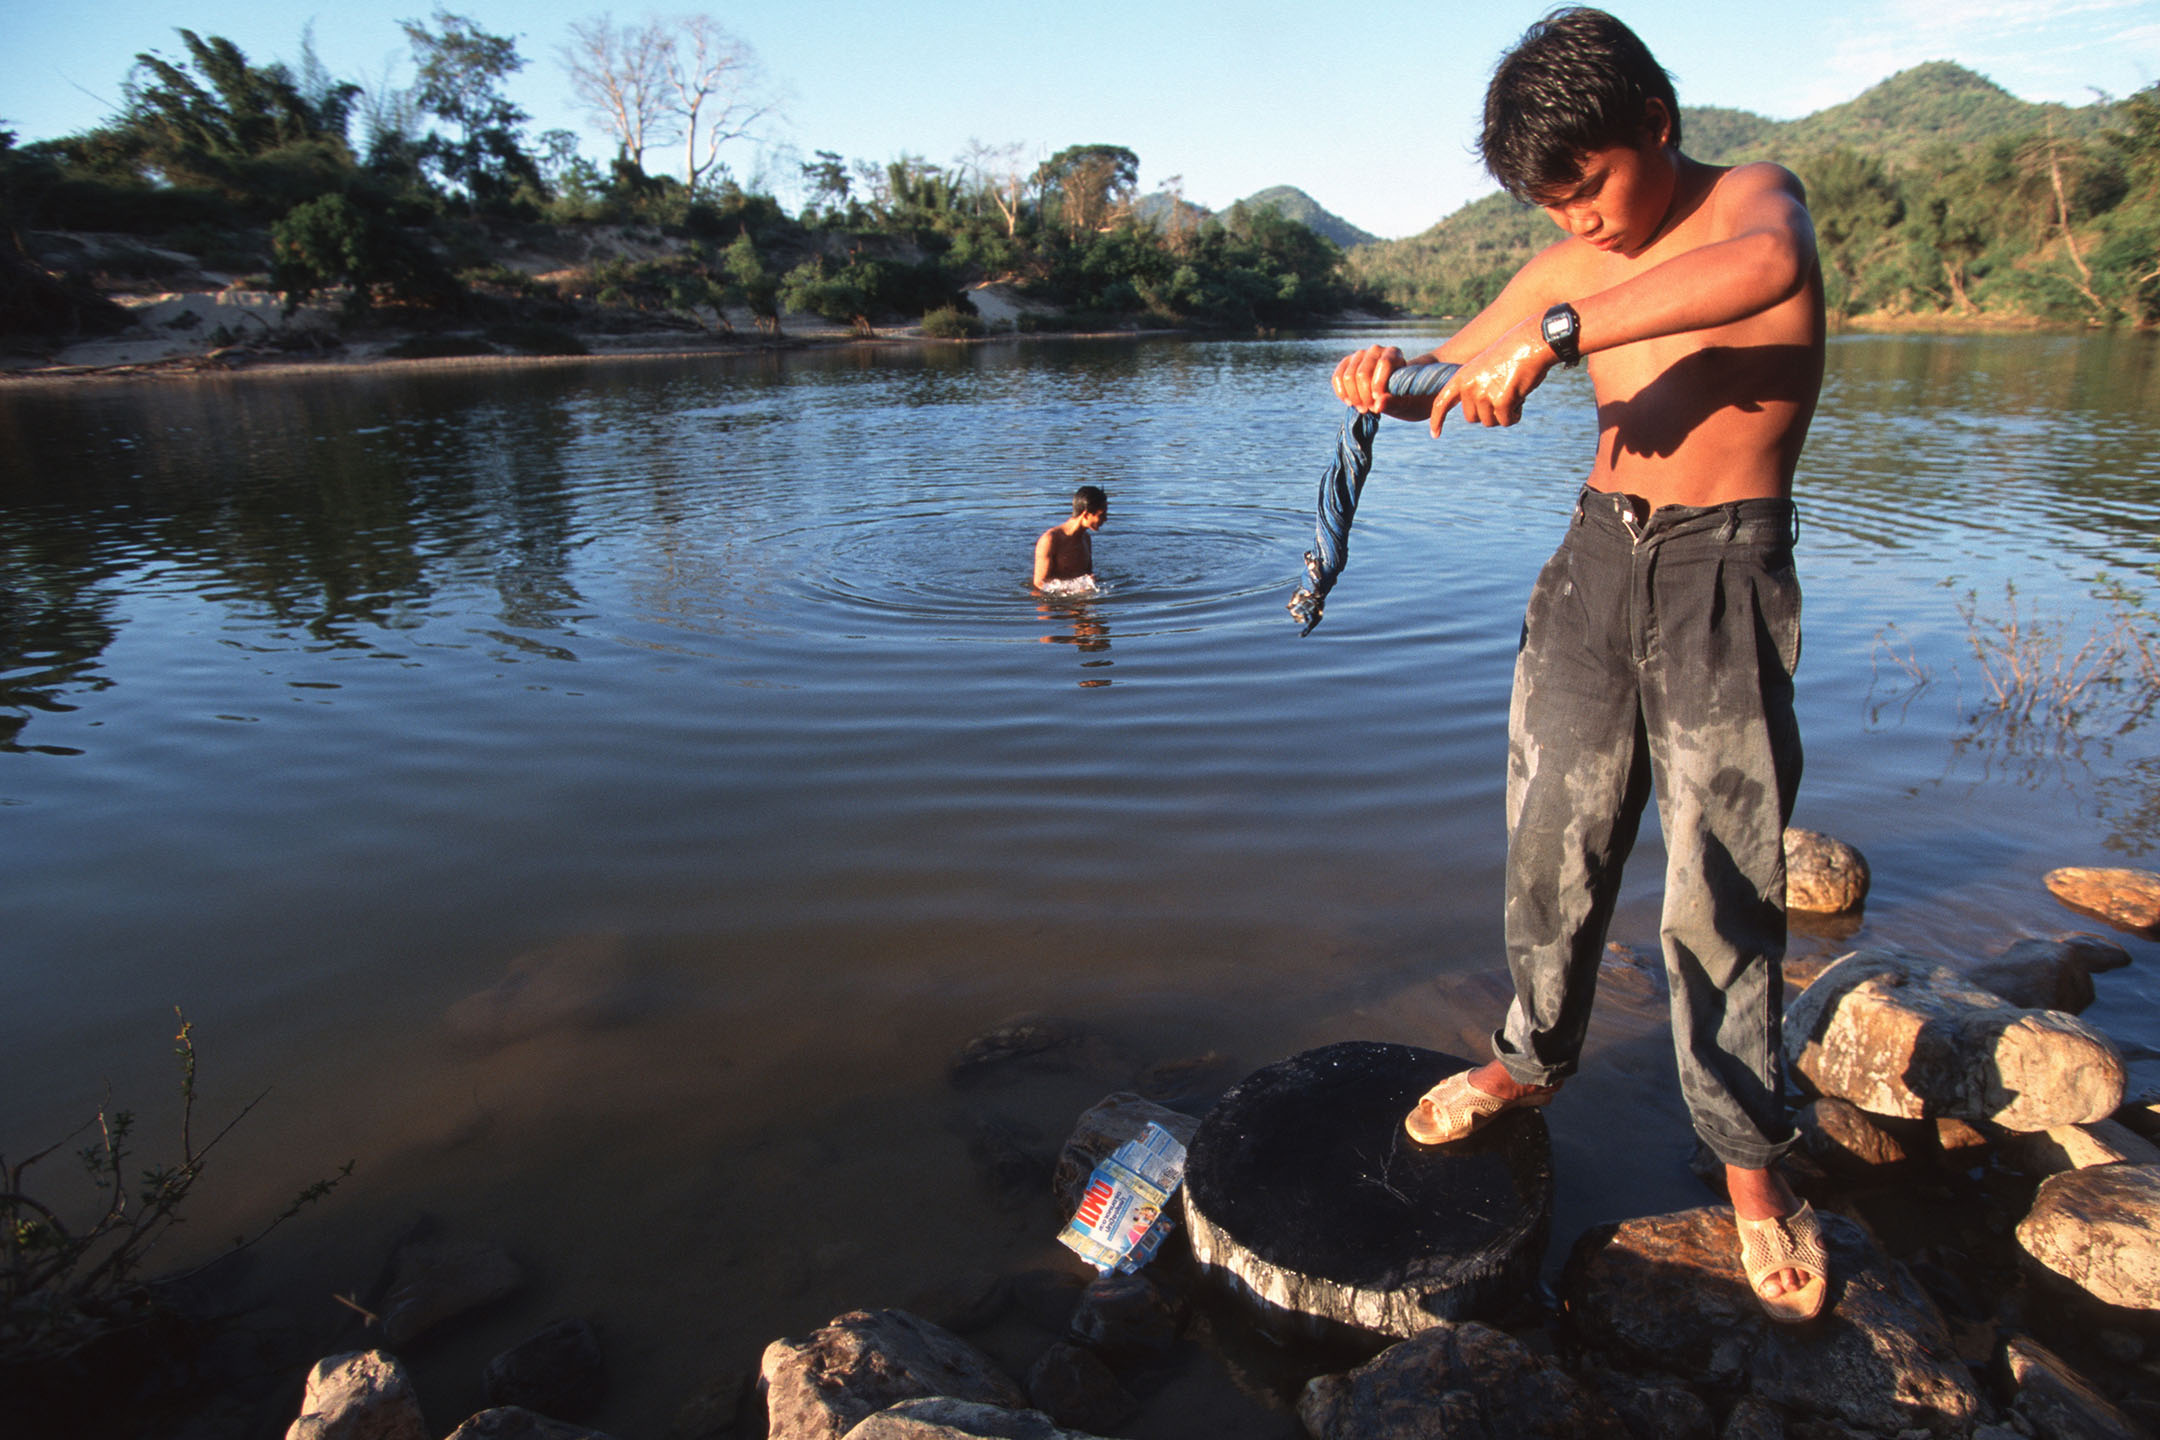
x: 1376, y: 124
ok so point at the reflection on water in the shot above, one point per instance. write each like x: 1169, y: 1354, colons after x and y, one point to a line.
x: 602, y: 799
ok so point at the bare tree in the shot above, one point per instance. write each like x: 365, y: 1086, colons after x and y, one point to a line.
x: 618, y: 74
x: 1002, y: 176
x: 715, y: 88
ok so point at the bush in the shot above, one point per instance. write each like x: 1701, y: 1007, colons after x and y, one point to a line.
x: 331, y: 241
x: 949, y: 322
x: 438, y: 347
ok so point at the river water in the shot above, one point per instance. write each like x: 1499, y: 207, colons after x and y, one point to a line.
x: 602, y: 799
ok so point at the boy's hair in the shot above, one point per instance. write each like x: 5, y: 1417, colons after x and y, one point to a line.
x: 1577, y: 81
x: 1089, y: 499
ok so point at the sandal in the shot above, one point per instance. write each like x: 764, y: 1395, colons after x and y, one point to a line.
x: 1786, y: 1242
x: 1455, y: 1110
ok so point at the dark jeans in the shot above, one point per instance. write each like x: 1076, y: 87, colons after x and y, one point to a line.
x: 1659, y: 651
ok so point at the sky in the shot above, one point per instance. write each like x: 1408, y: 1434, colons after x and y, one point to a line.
x: 1376, y: 120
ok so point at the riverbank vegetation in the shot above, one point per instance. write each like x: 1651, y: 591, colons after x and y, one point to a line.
x: 1936, y: 196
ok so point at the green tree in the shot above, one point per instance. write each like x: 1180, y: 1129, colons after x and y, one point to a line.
x: 460, y: 74
x: 1089, y: 187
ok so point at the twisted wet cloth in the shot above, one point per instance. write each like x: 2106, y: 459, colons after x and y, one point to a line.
x: 1340, y: 487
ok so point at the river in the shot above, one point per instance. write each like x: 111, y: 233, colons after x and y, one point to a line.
x: 601, y: 799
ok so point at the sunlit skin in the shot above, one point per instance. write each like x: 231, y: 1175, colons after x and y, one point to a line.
x: 1700, y: 302
x: 1067, y: 551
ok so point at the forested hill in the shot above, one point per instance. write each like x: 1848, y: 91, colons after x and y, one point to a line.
x: 1165, y: 210
x: 1935, y: 191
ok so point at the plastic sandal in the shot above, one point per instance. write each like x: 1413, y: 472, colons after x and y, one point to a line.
x: 1786, y: 1242
x: 1455, y: 1110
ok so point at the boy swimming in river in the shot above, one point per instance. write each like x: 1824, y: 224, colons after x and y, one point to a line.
x: 1660, y: 639
x: 1065, y: 555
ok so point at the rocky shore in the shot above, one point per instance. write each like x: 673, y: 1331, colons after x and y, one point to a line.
x: 1987, y: 1165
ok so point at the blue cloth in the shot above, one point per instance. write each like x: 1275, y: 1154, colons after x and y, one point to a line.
x: 1340, y: 487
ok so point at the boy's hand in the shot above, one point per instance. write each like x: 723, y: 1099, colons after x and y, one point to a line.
x: 1491, y: 387
x: 1361, y: 382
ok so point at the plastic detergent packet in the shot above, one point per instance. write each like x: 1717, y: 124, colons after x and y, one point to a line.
x: 1120, y: 1224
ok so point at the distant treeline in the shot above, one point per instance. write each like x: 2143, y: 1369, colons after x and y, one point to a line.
x: 1934, y: 194
x: 405, y: 198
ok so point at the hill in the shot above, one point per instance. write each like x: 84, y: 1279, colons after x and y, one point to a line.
x: 1286, y: 200
x: 1932, y: 117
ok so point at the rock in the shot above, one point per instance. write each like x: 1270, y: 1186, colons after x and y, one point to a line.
x: 1896, y: 1035
x: 2099, y: 1228
x: 1960, y: 1141
x: 1048, y: 1297
x: 1101, y: 1129
x: 2127, y: 899
x: 1665, y: 1293
x: 1753, y: 1419
x: 1464, y: 1381
x: 434, y: 1280
x: 1024, y: 1042
x: 2074, y: 1147
x: 943, y: 1418
x: 1840, y: 1137
x: 580, y: 982
x: 1128, y: 1318
x: 2141, y: 1097
x: 821, y: 1386
x: 1801, y: 971
x: 2058, y: 1402
x: 1654, y: 1407
x: 2039, y: 974
x: 1823, y: 876
x: 1302, y: 1188
x: 1012, y: 1158
x: 509, y: 1422
x: 1073, y: 1386
x: 1193, y: 1082
x: 556, y: 1371
x: 365, y: 1395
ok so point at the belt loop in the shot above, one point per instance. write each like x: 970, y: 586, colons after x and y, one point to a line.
x: 1796, y: 526
x: 1731, y: 526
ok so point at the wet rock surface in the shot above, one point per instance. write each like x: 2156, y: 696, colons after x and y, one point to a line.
x: 1303, y: 1186
x: 1666, y: 1293
x: 2099, y: 1228
x: 1896, y: 1035
x: 1463, y: 1380
x: 821, y: 1386
x: 433, y: 1281
x: 556, y: 1371
x: 362, y: 1396
x: 2127, y: 899
x: 1823, y: 875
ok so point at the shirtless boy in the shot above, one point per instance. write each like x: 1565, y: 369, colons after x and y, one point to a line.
x: 1067, y: 551
x: 1660, y: 639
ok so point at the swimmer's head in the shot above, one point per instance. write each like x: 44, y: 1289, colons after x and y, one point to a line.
x: 1090, y: 500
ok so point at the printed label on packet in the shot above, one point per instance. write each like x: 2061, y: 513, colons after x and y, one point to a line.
x: 1120, y: 1223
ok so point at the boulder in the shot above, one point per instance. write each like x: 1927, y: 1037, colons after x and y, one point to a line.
x: 365, y: 1395
x: 1101, y: 1129
x: 509, y: 1422
x: 820, y: 1387
x: 2099, y: 1228
x: 1823, y: 876
x: 1665, y: 1293
x: 943, y: 1418
x: 1073, y: 1386
x: 2059, y: 1403
x: 2074, y: 1147
x: 2141, y: 1097
x: 1022, y: 1044
x: 2127, y: 899
x: 433, y: 1280
x: 2045, y: 974
x: 1654, y: 1407
x: 1897, y: 1035
x: 1753, y: 1419
x: 1128, y: 1318
x: 556, y: 1371
x: 1465, y: 1381
x: 1841, y: 1138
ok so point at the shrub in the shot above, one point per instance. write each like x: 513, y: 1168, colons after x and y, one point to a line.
x: 532, y: 339
x: 949, y: 322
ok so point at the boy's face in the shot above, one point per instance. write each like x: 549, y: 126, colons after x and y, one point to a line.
x: 1620, y: 197
x: 1093, y: 519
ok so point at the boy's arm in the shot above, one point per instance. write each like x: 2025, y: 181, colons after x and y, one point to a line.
x: 1763, y: 252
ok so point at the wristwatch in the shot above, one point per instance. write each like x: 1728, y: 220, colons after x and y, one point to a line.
x: 1563, y: 331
